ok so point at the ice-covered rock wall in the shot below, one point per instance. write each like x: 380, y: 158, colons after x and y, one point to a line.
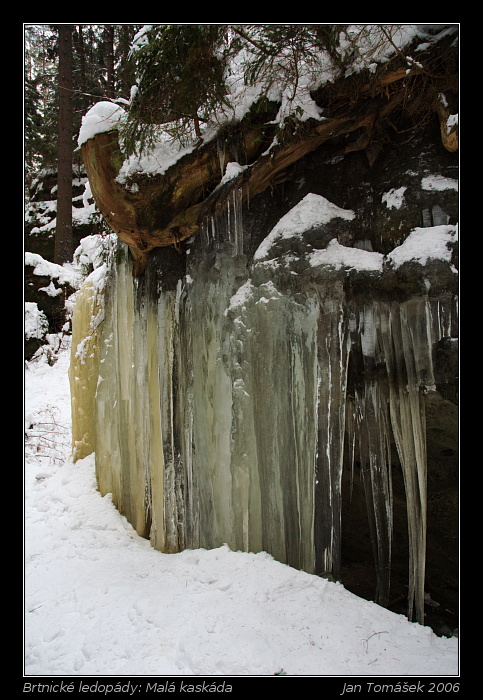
x: 235, y: 384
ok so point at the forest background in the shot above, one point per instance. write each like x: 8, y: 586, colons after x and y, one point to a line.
x: 67, y: 69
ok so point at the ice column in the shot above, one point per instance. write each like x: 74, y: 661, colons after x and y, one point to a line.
x: 125, y: 439
x: 333, y: 354
x: 407, y: 341
x: 391, y: 369
x: 370, y: 435
x: 87, y: 318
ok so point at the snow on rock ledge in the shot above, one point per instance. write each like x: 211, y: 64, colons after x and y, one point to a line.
x: 313, y: 211
x: 302, y: 236
x: 423, y: 244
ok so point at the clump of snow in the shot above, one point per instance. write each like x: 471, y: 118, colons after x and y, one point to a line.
x: 63, y: 274
x: 343, y: 257
x: 93, y: 251
x: 423, y: 244
x: 394, y: 198
x: 241, y: 298
x: 82, y: 349
x: 242, y: 96
x: 367, y: 45
x: 36, y: 324
x: 451, y: 122
x: 160, y: 158
x: 141, y: 38
x: 103, y: 116
x: 269, y: 292
x: 98, y: 277
x: 438, y: 183
x: 87, y: 194
x: 84, y: 215
x: 51, y: 290
x: 312, y: 211
x: 43, y: 214
x: 299, y: 102
x: 232, y: 171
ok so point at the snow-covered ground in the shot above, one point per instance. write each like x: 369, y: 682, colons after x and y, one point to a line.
x: 100, y: 601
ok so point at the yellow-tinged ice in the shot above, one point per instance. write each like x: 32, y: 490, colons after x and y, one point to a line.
x: 84, y: 366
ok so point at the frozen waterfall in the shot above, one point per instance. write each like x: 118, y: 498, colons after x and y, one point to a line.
x: 223, y: 406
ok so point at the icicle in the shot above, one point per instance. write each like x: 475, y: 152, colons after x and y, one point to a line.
x: 227, y: 220
x: 209, y: 239
x: 394, y: 342
x: 444, y: 315
x: 213, y: 233
x: 350, y: 422
x: 219, y: 425
x: 376, y: 475
x: 238, y: 194
x: 220, y: 149
x: 333, y: 357
x: 406, y: 335
x: 230, y: 221
x: 204, y: 235
x: 234, y: 223
x: 368, y: 432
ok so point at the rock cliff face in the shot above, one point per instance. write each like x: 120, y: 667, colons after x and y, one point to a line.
x: 286, y: 380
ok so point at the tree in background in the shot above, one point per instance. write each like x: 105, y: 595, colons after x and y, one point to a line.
x: 109, y: 59
x: 63, y: 230
x: 41, y: 108
x: 124, y: 66
x: 101, y: 69
x: 101, y: 65
x: 68, y: 68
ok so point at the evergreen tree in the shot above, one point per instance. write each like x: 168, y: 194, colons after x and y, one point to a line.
x: 40, y: 98
x: 181, y: 70
x: 100, y: 70
x: 124, y: 65
x: 63, y: 230
x: 180, y: 76
x: 33, y: 125
x: 109, y: 59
